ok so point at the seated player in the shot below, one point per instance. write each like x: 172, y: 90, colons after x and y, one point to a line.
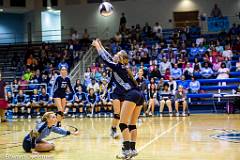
x: 69, y: 102
x: 79, y: 101
x: 92, y: 102
x: 44, y: 100
x: 105, y: 97
x: 35, y: 139
x: 34, y: 104
x: 21, y: 100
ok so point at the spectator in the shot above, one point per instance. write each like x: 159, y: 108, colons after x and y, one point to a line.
x: 157, y: 29
x: 172, y: 85
x: 216, y: 65
x: 123, y: 22
x: 164, y: 65
x: 152, y: 94
x: 93, y: 85
x: 206, y: 71
x: 184, y: 84
x: 227, y: 53
x: 165, y: 99
x: 87, y: 77
x: 3, y: 103
x: 167, y: 74
x: 188, y: 71
x: 180, y: 99
x: 147, y: 30
x: 216, y: 12
x: 27, y: 75
x: 176, y: 72
x: 75, y: 36
x: 223, y: 73
x: 194, y: 85
x: 238, y: 65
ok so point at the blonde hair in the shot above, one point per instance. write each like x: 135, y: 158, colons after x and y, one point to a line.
x: 123, y: 59
x: 46, y: 116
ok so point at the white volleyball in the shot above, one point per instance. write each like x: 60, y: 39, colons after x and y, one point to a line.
x: 106, y: 9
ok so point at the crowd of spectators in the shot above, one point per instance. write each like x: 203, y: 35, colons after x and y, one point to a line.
x: 166, y: 68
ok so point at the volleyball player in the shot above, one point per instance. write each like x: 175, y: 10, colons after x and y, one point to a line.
x: 59, y: 88
x: 132, y: 103
x: 35, y: 139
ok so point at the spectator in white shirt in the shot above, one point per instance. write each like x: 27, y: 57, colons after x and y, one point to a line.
x: 227, y: 52
x: 93, y: 85
x: 164, y: 65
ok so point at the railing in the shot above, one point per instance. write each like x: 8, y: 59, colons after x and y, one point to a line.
x: 37, y: 36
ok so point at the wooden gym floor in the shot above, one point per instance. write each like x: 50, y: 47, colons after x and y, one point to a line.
x: 183, y: 138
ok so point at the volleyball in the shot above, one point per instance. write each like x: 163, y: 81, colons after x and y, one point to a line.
x: 106, y: 9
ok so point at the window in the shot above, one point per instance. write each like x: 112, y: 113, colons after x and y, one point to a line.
x: 1, y: 2
x: 54, y: 3
x: 18, y: 3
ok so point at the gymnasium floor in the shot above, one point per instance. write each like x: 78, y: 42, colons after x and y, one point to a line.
x: 183, y: 138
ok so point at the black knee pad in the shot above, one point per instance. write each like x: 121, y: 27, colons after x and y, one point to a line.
x: 116, y: 116
x: 123, y: 126
x: 132, y: 127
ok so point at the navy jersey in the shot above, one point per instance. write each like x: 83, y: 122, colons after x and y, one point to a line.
x: 81, y: 96
x: 120, y: 73
x: 117, y: 89
x: 21, y: 99
x: 10, y: 100
x: 34, y: 98
x: 60, y: 86
x: 92, y: 99
x: 44, y: 98
x: 69, y: 97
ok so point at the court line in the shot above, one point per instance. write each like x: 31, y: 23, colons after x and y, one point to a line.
x: 157, y: 137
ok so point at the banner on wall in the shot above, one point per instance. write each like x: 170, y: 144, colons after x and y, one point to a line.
x: 217, y: 24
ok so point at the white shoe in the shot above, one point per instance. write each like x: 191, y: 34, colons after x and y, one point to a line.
x: 144, y: 115
x: 177, y: 114
x: 170, y: 114
x: 73, y: 116
x: 124, y: 155
x: 99, y: 115
x: 134, y: 153
x: 81, y: 116
x: 22, y: 117
x: 150, y: 114
x: 184, y: 114
x: 105, y: 115
x: 160, y: 115
x: 29, y: 117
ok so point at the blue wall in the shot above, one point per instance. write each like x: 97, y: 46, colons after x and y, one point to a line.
x: 14, y: 24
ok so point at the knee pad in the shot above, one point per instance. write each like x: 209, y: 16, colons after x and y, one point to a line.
x: 132, y: 127
x: 116, y: 116
x: 123, y: 126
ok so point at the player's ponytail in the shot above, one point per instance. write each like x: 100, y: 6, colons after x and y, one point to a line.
x: 123, y: 59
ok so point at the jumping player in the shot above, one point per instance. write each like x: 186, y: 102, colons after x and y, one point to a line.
x: 133, y: 99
